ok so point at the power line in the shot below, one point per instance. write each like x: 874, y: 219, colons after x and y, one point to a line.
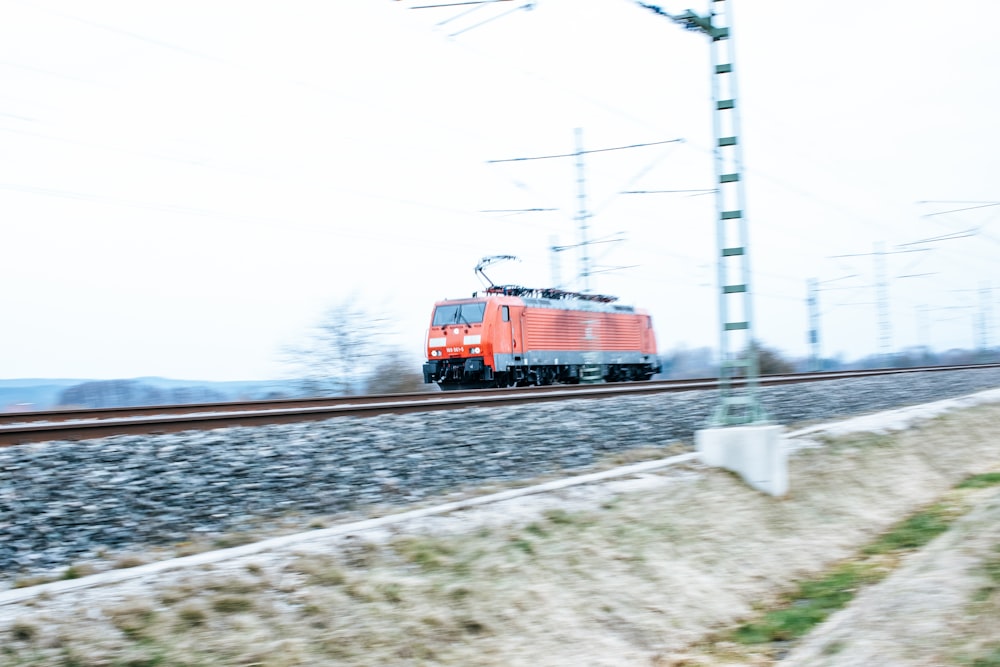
x: 459, y: 4
x: 227, y: 215
x: 958, y: 210
x: 944, y: 237
x: 517, y: 210
x: 135, y: 35
x: 583, y: 214
x: 585, y: 152
x: 527, y: 6
x: 701, y: 191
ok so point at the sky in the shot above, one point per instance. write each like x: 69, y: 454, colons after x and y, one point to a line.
x: 187, y: 187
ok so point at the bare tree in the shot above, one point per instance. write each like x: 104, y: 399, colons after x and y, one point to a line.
x: 393, y: 374
x: 772, y: 363
x: 341, y: 352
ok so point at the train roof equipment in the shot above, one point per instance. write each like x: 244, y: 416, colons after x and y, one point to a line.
x: 531, y: 292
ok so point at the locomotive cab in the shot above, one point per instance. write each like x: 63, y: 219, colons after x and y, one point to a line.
x: 459, y: 344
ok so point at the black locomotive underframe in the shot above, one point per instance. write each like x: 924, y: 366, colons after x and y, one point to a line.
x: 473, y: 373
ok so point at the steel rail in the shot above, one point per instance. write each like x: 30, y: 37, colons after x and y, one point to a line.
x: 21, y: 428
x: 68, y: 414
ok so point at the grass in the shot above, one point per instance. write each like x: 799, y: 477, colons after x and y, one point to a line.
x: 816, y: 599
x: 810, y: 605
x: 914, y: 531
x: 992, y: 567
x: 232, y: 604
x: 191, y: 615
x: 23, y: 631
x: 428, y: 553
x: 980, y: 481
x: 319, y: 572
x: 132, y: 619
x: 991, y: 659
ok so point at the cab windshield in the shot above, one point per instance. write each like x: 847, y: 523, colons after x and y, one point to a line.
x: 459, y: 313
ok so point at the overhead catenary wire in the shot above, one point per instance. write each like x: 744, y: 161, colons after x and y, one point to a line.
x: 527, y: 6
x: 585, y: 152
x: 959, y: 210
x: 459, y: 4
x: 584, y: 214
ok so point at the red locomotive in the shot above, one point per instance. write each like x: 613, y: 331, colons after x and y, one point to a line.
x: 517, y: 336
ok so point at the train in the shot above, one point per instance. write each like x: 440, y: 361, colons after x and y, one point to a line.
x: 508, y: 336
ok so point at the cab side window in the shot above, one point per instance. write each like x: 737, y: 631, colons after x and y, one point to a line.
x: 506, y: 313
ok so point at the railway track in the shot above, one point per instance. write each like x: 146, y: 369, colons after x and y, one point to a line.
x: 26, y: 427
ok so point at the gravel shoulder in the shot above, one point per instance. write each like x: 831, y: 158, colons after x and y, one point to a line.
x: 639, y: 571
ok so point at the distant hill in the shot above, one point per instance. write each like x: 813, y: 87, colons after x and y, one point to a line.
x: 31, y: 393
x: 44, y: 394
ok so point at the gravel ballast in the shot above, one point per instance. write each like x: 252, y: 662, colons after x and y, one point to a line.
x: 63, y: 502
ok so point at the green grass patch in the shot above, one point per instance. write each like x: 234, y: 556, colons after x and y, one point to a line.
x: 980, y: 481
x: 809, y: 606
x: 914, y: 531
x: 992, y: 567
x: 536, y: 530
x: 991, y: 659
x: 522, y: 544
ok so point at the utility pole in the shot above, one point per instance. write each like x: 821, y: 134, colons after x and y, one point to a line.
x: 556, y: 273
x: 923, y: 328
x: 982, y: 322
x: 985, y: 316
x: 738, y: 355
x: 582, y: 214
x: 882, y: 299
x: 812, y: 303
x: 882, y: 294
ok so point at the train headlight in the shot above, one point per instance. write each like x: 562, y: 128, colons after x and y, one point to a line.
x: 474, y: 350
x: 435, y: 353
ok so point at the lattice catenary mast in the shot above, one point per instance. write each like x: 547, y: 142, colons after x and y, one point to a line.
x: 737, y: 348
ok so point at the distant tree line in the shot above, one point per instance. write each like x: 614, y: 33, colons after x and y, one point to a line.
x: 702, y: 362
x: 130, y: 393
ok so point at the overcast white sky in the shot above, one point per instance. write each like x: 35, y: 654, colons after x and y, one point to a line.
x: 187, y: 186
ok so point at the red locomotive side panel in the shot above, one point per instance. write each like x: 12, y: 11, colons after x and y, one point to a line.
x: 550, y: 329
